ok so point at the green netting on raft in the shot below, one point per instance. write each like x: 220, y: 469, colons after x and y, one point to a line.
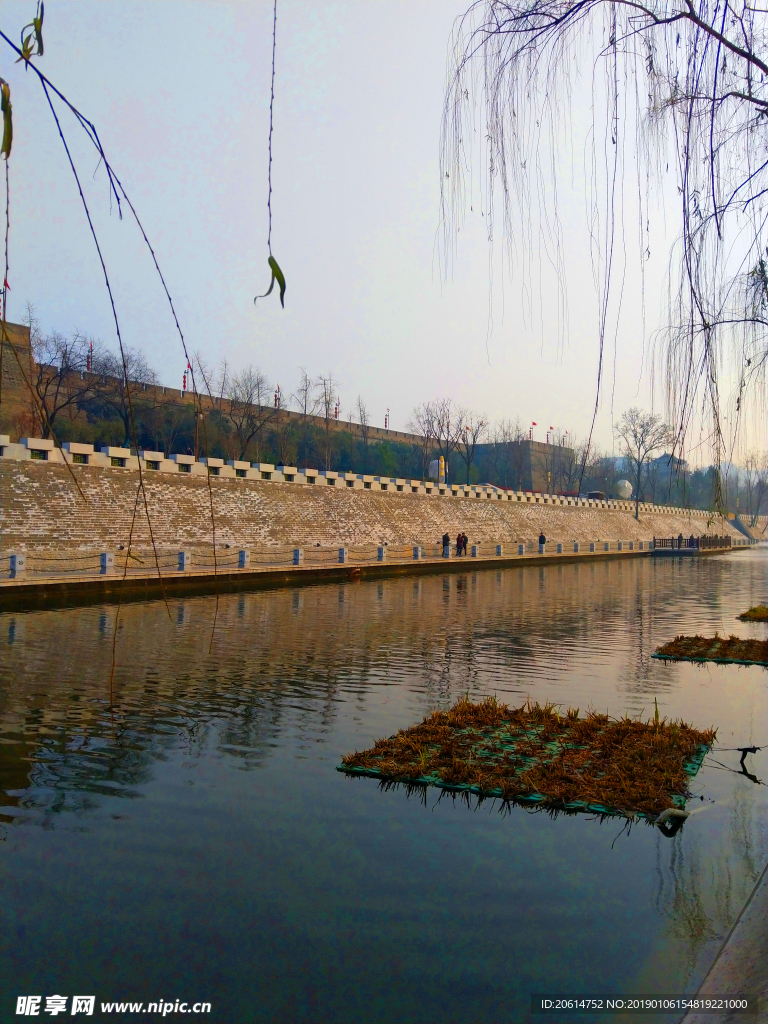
x: 491, y: 744
x: 723, y: 650
x: 702, y: 660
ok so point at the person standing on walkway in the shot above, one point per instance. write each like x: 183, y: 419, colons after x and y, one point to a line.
x: 464, y: 541
x: 446, y: 545
x: 459, y: 542
x: 542, y: 539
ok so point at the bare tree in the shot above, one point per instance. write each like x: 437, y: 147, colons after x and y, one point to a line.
x: 210, y: 382
x: 500, y: 436
x: 654, y: 479
x: 517, y: 455
x: 760, y: 495
x: 250, y: 408
x: 589, y: 472
x: 422, y: 424
x: 471, y: 431
x: 285, y: 433
x: 305, y: 397
x: 446, y: 428
x: 641, y: 434
x: 701, y: 72
x: 363, y: 418
x: 544, y: 460
x: 569, y: 459
x: 167, y: 422
x: 122, y: 386
x: 60, y: 375
x: 756, y: 482
x: 328, y: 394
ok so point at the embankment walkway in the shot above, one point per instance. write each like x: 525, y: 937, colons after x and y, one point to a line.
x: 85, y: 579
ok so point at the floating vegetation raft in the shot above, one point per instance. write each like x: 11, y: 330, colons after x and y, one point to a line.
x: 729, y: 650
x: 533, y: 754
x: 757, y: 614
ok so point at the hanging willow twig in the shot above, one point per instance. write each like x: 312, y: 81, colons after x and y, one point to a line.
x: 277, y: 274
x: 118, y: 191
x: 683, y: 80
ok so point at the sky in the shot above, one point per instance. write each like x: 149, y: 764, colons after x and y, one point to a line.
x: 179, y: 93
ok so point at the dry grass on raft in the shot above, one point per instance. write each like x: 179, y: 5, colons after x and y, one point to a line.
x: 757, y: 614
x: 627, y: 764
x: 715, y: 648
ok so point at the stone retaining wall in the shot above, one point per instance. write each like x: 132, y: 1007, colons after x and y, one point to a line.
x: 41, y: 510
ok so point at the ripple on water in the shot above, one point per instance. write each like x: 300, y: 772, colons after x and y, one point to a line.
x: 185, y: 824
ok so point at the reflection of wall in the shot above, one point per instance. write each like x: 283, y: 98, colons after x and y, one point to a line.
x: 292, y: 659
x: 516, y: 627
x: 41, y: 509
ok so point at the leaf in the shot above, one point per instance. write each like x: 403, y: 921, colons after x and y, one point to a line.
x: 277, y: 275
x: 6, y: 109
x: 266, y: 293
x: 38, y: 25
x: 28, y: 49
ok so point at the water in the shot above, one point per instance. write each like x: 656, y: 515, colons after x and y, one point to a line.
x: 184, y: 835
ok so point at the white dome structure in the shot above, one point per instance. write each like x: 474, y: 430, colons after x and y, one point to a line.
x: 624, y: 489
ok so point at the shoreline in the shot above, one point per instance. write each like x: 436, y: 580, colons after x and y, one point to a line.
x: 57, y: 591
x: 741, y: 965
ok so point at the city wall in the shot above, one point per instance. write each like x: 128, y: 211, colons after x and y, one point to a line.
x: 18, y: 361
x: 41, y: 509
x: 539, y: 464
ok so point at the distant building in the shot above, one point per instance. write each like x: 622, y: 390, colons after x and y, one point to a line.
x: 539, y: 467
x: 667, y: 465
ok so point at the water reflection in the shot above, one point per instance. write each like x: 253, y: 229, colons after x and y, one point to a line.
x: 233, y: 744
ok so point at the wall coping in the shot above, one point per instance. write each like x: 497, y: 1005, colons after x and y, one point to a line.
x: 312, y: 477
x: 37, y: 443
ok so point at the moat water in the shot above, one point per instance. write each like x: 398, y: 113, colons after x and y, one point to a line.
x: 183, y: 834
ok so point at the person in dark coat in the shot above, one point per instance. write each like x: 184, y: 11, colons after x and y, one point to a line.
x: 459, y: 543
x: 446, y: 545
x: 464, y: 541
x: 542, y: 538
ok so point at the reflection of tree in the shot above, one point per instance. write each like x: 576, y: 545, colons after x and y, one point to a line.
x: 681, y: 897
x: 289, y: 659
x: 701, y: 892
x: 69, y: 773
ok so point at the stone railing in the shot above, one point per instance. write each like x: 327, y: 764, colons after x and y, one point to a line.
x: 25, y: 565
x: 51, y: 565
x: 42, y: 450
x: 704, y: 543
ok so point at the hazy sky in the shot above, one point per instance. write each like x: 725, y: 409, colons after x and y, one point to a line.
x: 179, y: 92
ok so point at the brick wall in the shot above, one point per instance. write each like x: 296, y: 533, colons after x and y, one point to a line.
x: 16, y: 349
x: 40, y: 509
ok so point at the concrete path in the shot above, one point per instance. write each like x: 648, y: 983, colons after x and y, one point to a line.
x: 35, y: 590
x: 741, y: 966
